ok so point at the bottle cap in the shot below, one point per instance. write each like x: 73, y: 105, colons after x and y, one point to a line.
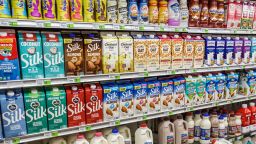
x: 98, y: 134
x: 74, y: 88
x: 91, y: 35
x: 80, y: 136
x: 33, y: 91
x: 252, y: 104
x: 221, y: 118
x: 228, y: 38
x: 10, y: 93
x: 55, y: 89
x: 244, y: 105
x: 209, y: 37
x: 139, y: 35
x: 151, y: 36
x: 93, y: 86
x: 189, y: 114
x: 206, y: 115
x: 219, y: 38
x: 115, y: 131
x: 143, y: 125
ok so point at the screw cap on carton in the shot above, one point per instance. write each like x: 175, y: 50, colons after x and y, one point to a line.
x: 74, y: 88
x: 164, y: 36
x: 34, y: 91
x: 115, y: 131
x: 244, y: 105
x: 10, y: 93
x: 252, y: 104
x: 98, y: 134
x: 55, y: 89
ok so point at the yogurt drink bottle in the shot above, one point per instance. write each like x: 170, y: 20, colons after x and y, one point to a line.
x: 197, y: 120
x: 115, y: 137
x: 205, y: 129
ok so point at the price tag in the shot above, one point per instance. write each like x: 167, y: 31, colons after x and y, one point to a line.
x: 184, y: 30
x: 235, y: 31
x: 135, y: 28
x: 63, y: 25
x: 5, y: 23
x: 48, y: 134
x: 122, y: 27
x: 243, y: 67
x: 16, y: 140
x: 240, y: 137
x: 55, y: 134
x: 141, y: 28
x: 47, y: 82
x: 232, y: 140
x: 117, y: 123
x: 145, y: 117
x: 190, y: 108
x: 176, y: 30
x: 114, y: 76
x: 82, y: 129
x: 194, y: 70
x: 47, y: 25
x: 145, y: 74
x: 170, y: 113
x: 249, y: 97
x: 70, y: 25
x: 206, y: 30
x: 14, y: 23
x: 88, y: 128
x: 101, y: 26
x: 173, y: 72
x: 216, y: 103
x: 228, y: 68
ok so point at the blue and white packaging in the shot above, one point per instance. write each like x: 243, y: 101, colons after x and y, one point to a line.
x: 210, y: 88
x: 166, y: 94
x: 229, y: 51
x: 210, y: 49
x: 220, y: 86
x: 220, y: 48
x: 140, y: 98
x: 153, y: 96
x: 126, y: 100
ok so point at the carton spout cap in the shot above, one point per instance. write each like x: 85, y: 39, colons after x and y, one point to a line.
x: 34, y: 91
x: 74, y: 88
x: 228, y: 38
x: 55, y: 89
x: 176, y: 36
x: 10, y: 93
x: 198, y: 37
x: 189, y: 36
x: 109, y: 35
x: 209, y: 37
x: 93, y: 86
x: 151, y: 36
x: 164, y: 36
x: 219, y: 38
x: 237, y: 38
x: 139, y: 35
x: 246, y: 38
x: 52, y: 35
x: 3, y: 34
x: 29, y: 35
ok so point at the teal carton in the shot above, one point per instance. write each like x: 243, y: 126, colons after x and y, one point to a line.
x: 31, y: 56
x: 247, y: 83
x: 56, y: 107
x: 253, y: 50
x: 126, y: 100
x: 220, y: 86
x: 179, y: 86
x: 35, y: 108
x: 153, y: 96
x: 190, y: 93
x: 210, y: 88
x: 166, y: 94
x: 200, y: 90
x: 231, y: 89
x: 53, y: 54
x: 140, y: 98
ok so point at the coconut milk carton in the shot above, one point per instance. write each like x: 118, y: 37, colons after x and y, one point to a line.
x: 140, y: 98
x: 36, y: 112
x: 199, y: 52
x: 220, y: 86
x: 177, y: 52
x: 210, y: 50
x: 190, y: 92
x: 220, y: 49
x: 247, y: 83
x: 152, y: 53
x: 253, y: 50
x: 154, y: 86
x: 166, y: 94
x: 231, y: 89
x: 126, y: 100
x: 246, y: 49
x: 210, y: 88
x: 165, y: 52
x: 9, y: 62
x: 179, y: 86
x: 31, y: 56
x: 53, y: 55
x: 229, y: 51
x: 12, y: 113
x: 200, y: 90
x: 189, y: 46
x: 238, y: 50
x: 140, y: 53
x: 56, y: 107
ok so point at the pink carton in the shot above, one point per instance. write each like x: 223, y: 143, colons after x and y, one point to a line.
x: 231, y: 11
x: 177, y: 52
x: 238, y: 14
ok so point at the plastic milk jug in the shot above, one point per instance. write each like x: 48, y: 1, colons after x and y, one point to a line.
x: 71, y: 138
x: 143, y: 135
x: 106, y: 132
x: 166, y: 132
x: 205, y: 129
x: 181, y: 130
x: 126, y: 133
x: 197, y: 120
x: 222, y: 127
x: 58, y: 140
x: 80, y: 139
x: 98, y: 139
x: 191, y: 126
x: 115, y: 137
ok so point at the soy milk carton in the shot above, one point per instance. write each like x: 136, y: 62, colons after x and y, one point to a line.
x: 190, y: 92
x: 199, y: 52
x: 246, y: 49
x: 152, y: 53
x: 36, y: 111
x: 253, y: 50
x: 247, y: 83
x: 210, y: 88
x: 166, y: 94
x: 177, y: 52
x: 140, y: 53
x: 189, y: 47
x: 56, y: 107
x: 126, y: 100
x: 229, y: 51
x: 238, y: 50
x: 140, y: 98
x: 210, y: 49
x: 220, y: 49
x: 200, y: 89
x: 165, y: 52
x: 31, y: 56
x: 231, y: 89
x: 153, y: 91
x: 9, y: 63
x: 179, y: 86
x: 53, y: 55
x: 12, y: 113
x: 220, y: 86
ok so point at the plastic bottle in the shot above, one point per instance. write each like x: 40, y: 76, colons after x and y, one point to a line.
x: 163, y: 12
x: 98, y: 138
x: 174, y: 13
x: 153, y: 11
x: 106, y: 132
x: 222, y: 127
x: 205, y: 129
x: 115, y: 137
x: 126, y: 133
x: 191, y: 126
x: 214, y: 125
x: 232, y: 125
x: 238, y: 124
x: 80, y: 139
x: 166, y: 132
x: 226, y: 123
x: 143, y: 135
x: 143, y: 12
x: 252, y: 108
x: 184, y: 13
x: 122, y: 13
x: 57, y: 140
x: 181, y: 130
x: 197, y: 120
x: 245, y: 117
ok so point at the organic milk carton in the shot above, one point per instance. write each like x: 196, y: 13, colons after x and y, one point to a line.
x: 246, y: 49
x: 9, y: 63
x: 190, y: 91
x: 210, y: 49
x: 199, y: 52
x: 189, y: 46
x: 229, y: 51
x: 247, y: 83
x: 94, y: 103
x: 31, y: 56
x: 177, y: 52
x: 253, y: 50
x: 166, y: 94
x: 152, y: 53
x: 238, y: 50
x: 110, y: 54
x: 153, y: 91
x: 165, y: 52
x: 53, y: 55
x: 140, y: 98
x: 110, y: 102
x: 200, y: 90
x: 231, y: 89
x: 126, y: 100
x: 125, y: 55
x: 75, y: 105
x: 210, y: 88
x: 179, y: 86
x: 220, y: 49
x: 35, y: 108
x: 12, y: 113
x: 56, y: 107
x: 140, y: 53
x: 220, y: 86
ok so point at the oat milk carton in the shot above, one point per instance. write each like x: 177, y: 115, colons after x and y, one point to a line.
x: 179, y: 86
x: 9, y: 62
x: 125, y: 56
x: 165, y: 52
x: 110, y: 54
x: 231, y: 89
x: 246, y: 50
x: 220, y: 86
x: 154, y: 86
x: 152, y: 53
x: 35, y: 108
x: 247, y: 83
x: 200, y: 90
x: 12, y: 113
x: 220, y: 49
x: 53, y: 55
x: 56, y: 107
x: 229, y: 51
x: 177, y: 52
x: 238, y: 50
x: 110, y: 101
x: 140, y: 98
x: 126, y: 100
x: 199, y: 52
x: 189, y: 46
x: 253, y: 50
x: 140, y: 53
x: 190, y: 92
x: 210, y: 88
x: 31, y: 55
x: 210, y: 50
x: 166, y: 94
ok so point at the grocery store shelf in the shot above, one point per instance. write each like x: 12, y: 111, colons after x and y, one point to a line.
x: 67, y: 131
x: 116, y: 76
x: 221, y: 31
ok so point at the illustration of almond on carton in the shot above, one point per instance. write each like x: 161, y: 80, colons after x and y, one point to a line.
x: 31, y: 50
x: 53, y: 50
x: 154, y: 96
x: 140, y: 97
x: 126, y: 99
x: 178, y: 91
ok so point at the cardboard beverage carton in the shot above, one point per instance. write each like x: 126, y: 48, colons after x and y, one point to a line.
x: 246, y: 50
x: 53, y: 55
x: 231, y: 12
x: 140, y: 98
x: 253, y: 50
x: 165, y: 53
x: 210, y: 50
x: 220, y: 49
x: 177, y: 52
x: 238, y: 51
x: 245, y: 15
x: 154, y: 104
x: 75, y: 105
x: 190, y: 92
x: 238, y: 14
x: 152, y: 53
x: 210, y: 88
x: 247, y: 83
x: 74, y: 54
x: 140, y: 53
x: 199, y: 52
x: 12, y: 113
x: 231, y: 89
x: 166, y: 94
x: 188, y: 57
x: 56, y: 107
x: 31, y: 55
x: 9, y: 62
x: 220, y: 86
x: 126, y: 100
x: 229, y: 51
x: 179, y: 86
x: 200, y: 90
x: 94, y: 103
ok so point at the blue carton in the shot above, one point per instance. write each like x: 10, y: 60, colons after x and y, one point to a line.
x: 126, y: 100
x: 179, y: 87
x: 166, y: 94
x: 220, y: 48
x: 229, y: 51
x: 210, y: 50
x: 154, y: 96
x: 140, y: 97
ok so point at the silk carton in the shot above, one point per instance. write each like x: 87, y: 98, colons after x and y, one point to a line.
x: 229, y: 51
x: 140, y: 98
x: 166, y: 94
x: 154, y: 101
x: 190, y: 92
x: 126, y: 100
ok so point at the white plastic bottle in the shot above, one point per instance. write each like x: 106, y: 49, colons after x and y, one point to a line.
x: 181, y: 130
x: 238, y: 122
x: 57, y: 140
x: 197, y: 120
x: 191, y: 125
x: 214, y: 125
x: 205, y: 129
x: 90, y: 134
x: 98, y: 139
x: 143, y: 135
x: 222, y: 127
x: 226, y: 123
x: 80, y: 139
x: 115, y: 137
x: 106, y: 132
x: 166, y: 132
x: 126, y: 133
x: 71, y: 138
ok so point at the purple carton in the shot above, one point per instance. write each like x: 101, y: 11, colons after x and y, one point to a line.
x: 12, y: 113
x: 210, y: 49
x: 229, y: 51
x: 238, y: 50
x: 246, y: 49
x: 219, y: 53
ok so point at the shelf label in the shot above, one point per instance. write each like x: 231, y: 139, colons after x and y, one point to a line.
x: 102, y: 27
x: 190, y: 108
x: 216, y: 103
x: 114, y: 76
x: 194, y: 70
x: 82, y: 129
x: 70, y: 25
x: 206, y: 30
x: 141, y: 28
x: 47, y: 82
x: 145, y: 117
x: 240, y: 137
x: 13, y: 23
x: 5, y: 23
x: 173, y: 72
x: 169, y: 113
x: 117, y: 122
x: 16, y: 140
x: 122, y: 27
x: 146, y: 74
x: 55, y: 134
x: 228, y: 68
x: 47, y: 25
x: 176, y: 30
x: 88, y: 128
x: 184, y: 30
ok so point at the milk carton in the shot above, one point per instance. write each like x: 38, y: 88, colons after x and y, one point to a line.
x: 126, y: 100
x: 110, y: 101
x: 35, y: 108
x: 231, y: 89
x: 210, y: 88
x: 9, y: 63
x: 220, y: 86
x: 229, y: 51
x: 238, y: 50
x: 125, y: 56
x: 152, y: 53
x: 199, y: 52
x: 12, y: 113
x: 177, y: 52
x: 165, y: 52
x: 140, y: 53
x: 179, y: 86
x: 246, y: 49
x: 200, y: 90
x: 190, y: 92
x: 110, y: 54
x: 166, y: 94
x: 189, y: 46
x: 210, y: 50
x: 56, y: 107
x: 31, y: 56
x: 153, y: 91
x: 53, y: 55
x: 140, y: 98
x: 220, y: 49
x: 253, y: 50
x: 247, y: 83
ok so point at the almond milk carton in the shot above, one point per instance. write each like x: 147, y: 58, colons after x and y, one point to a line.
x: 189, y: 46
x: 152, y: 53
x: 177, y: 52
x: 165, y: 53
x: 210, y: 88
x: 246, y: 50
x: 238, y: 50
x: 140, y: 98
x: 200, y: 90
x: 253, y: 49
x: 210, y: 50
x: 110, y: 54
x: 166, y: 93
x: 247, y: 83
x: 229, y: 51
x: 126, y: 100
x: 231, y: 89
x: 179, y: 86
x: 190, y: 93
x: 140, y: 53
x: 220, y: 50
x: 199, y: 52
x: 154, y: 101
x: 220, y: 86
